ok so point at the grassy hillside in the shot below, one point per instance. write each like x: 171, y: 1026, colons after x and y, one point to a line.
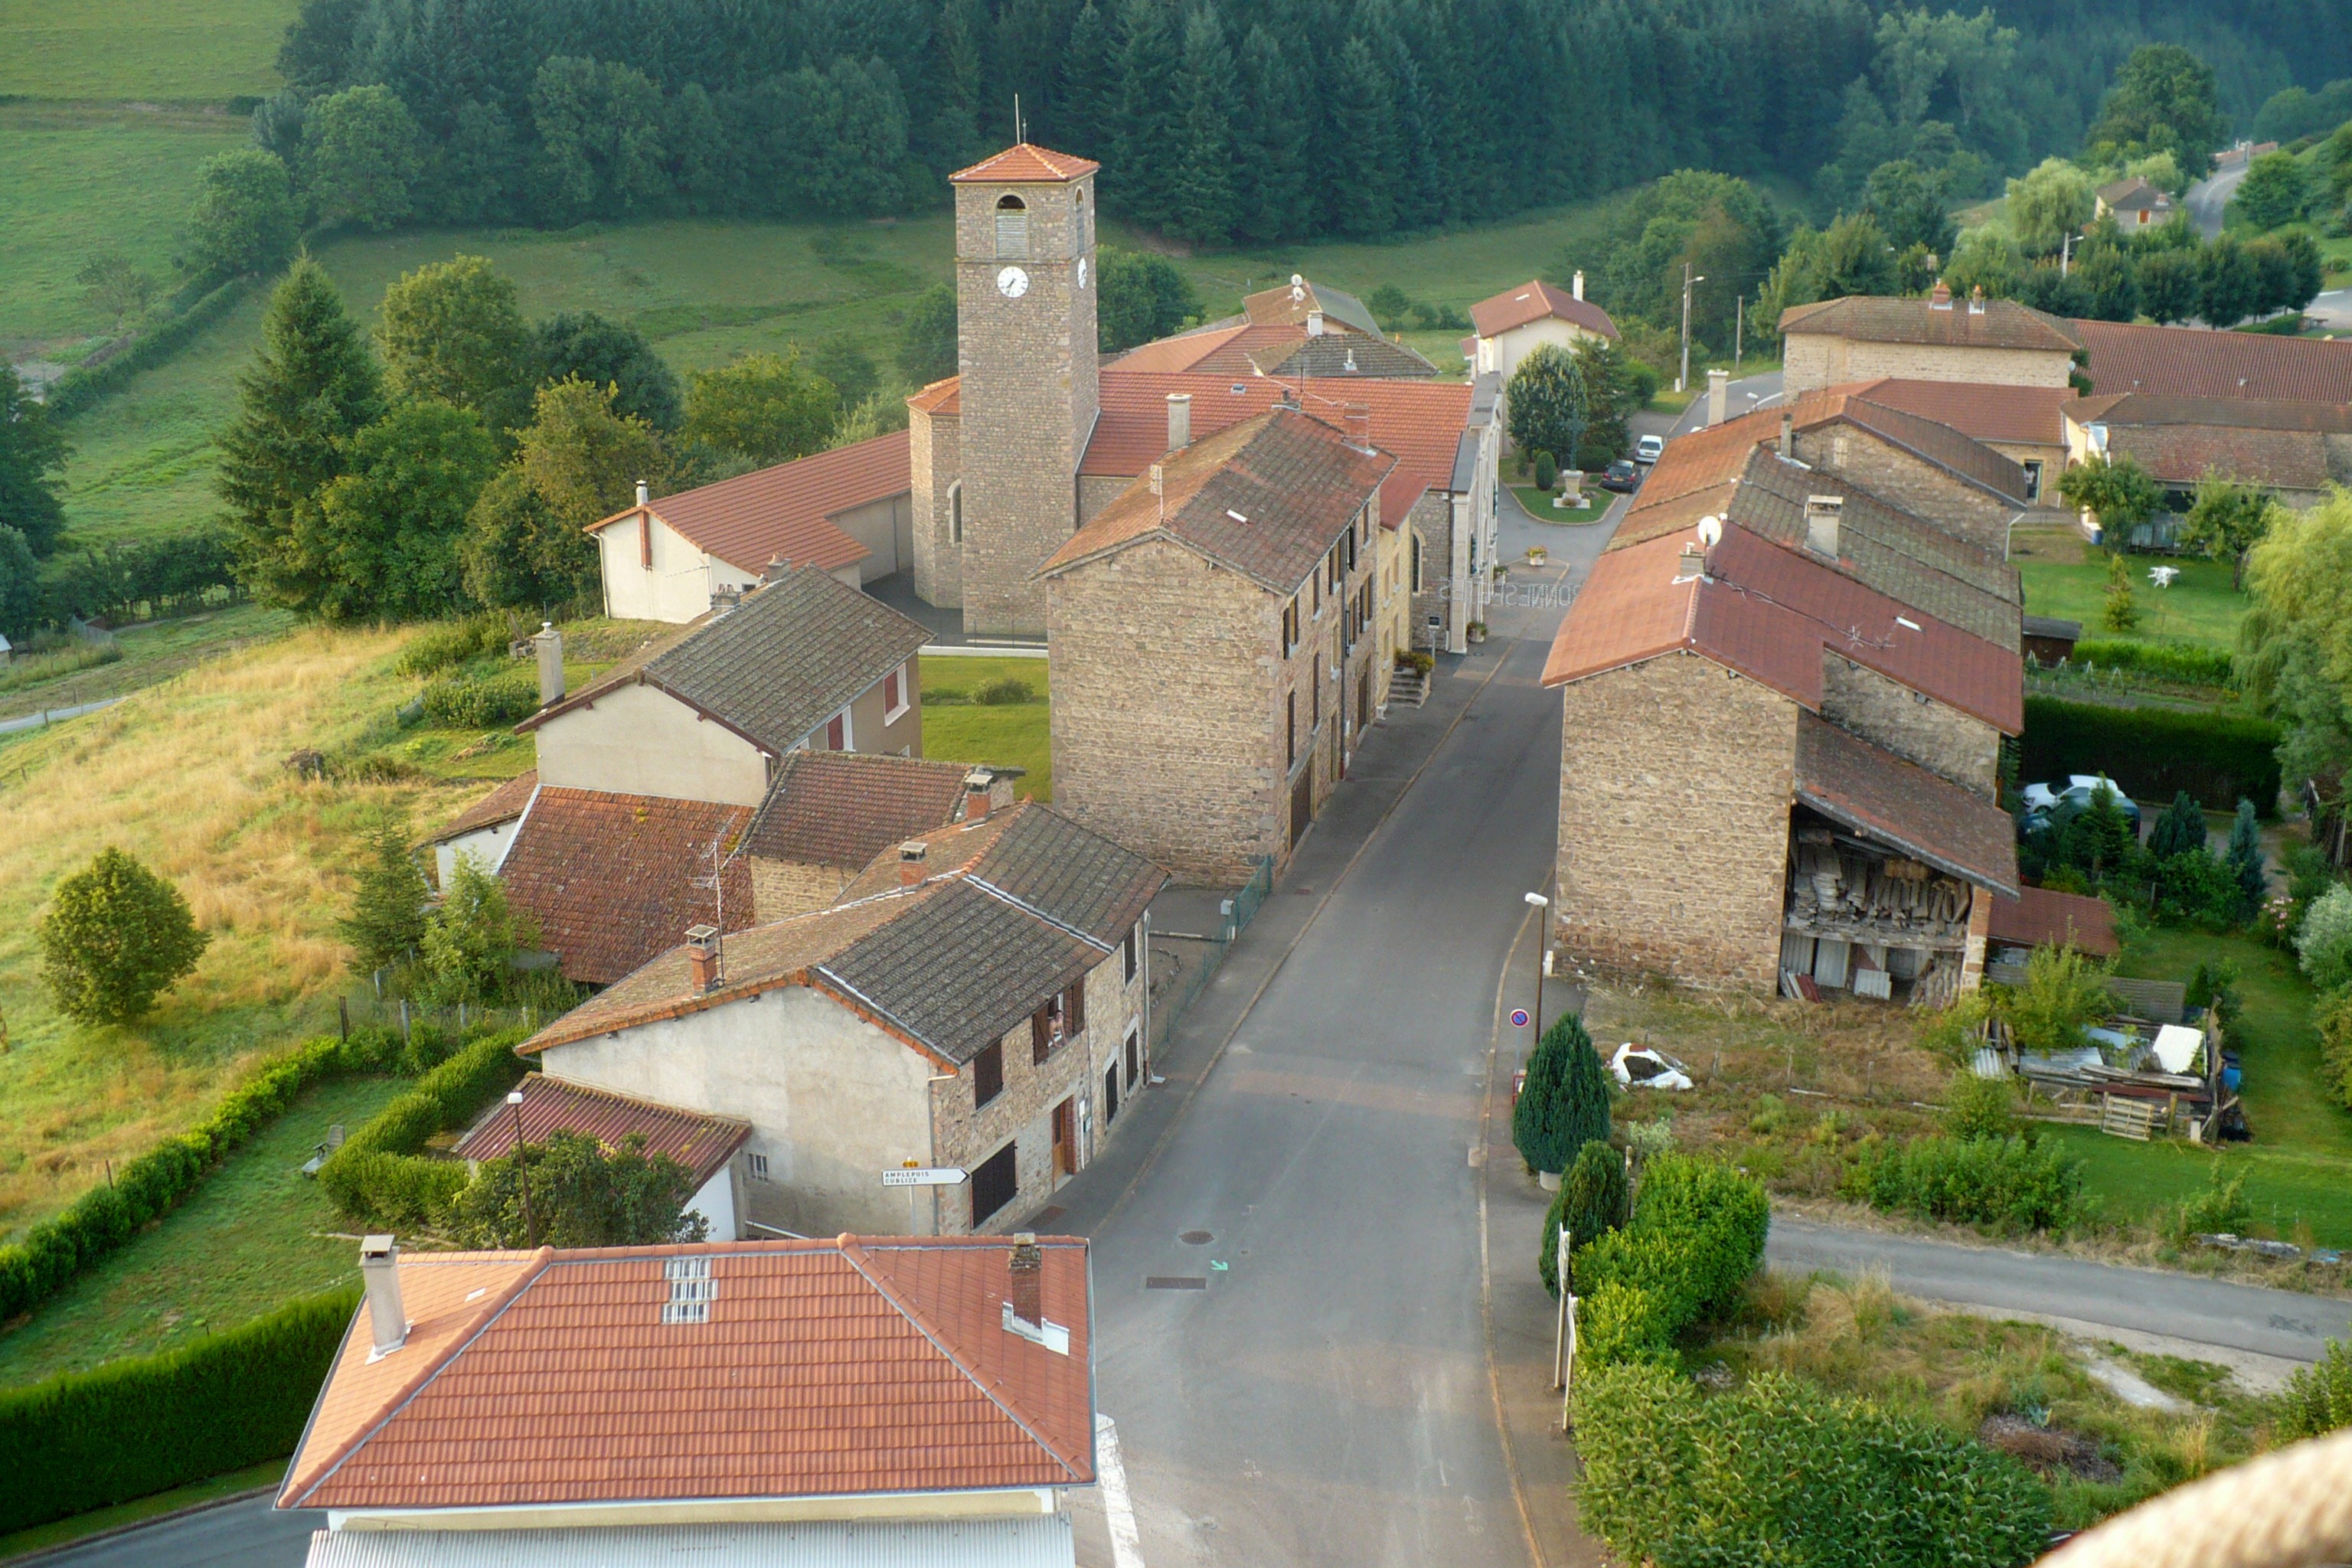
x: 186, y: 775
x: 140, y: 48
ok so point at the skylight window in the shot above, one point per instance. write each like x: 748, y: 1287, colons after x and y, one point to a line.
x: 1906, y: 621
x: 691, y: 1290
x: 1234, y: 515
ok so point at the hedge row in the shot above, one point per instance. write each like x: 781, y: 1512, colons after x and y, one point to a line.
x: 2154, y: 753
x: 377, y: 1176
x: 480, y: 702
x: 153, y: 1184
x: 2160, y: 661
x: 2005, y: 1182
x: 131, y: 1429
x: 1779, y: 1472
x: 79, y: 389
x: 1696, y: 1234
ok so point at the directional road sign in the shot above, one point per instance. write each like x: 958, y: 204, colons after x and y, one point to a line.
x: 941, y: 1176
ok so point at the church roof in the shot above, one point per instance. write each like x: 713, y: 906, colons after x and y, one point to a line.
x: 1025, y: 162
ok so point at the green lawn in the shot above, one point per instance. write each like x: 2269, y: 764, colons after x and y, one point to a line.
x: 2066, y: 577
x: 1537, y: 504
x: 140, y: 48
x: 1015, y: 734
x: 2299, y: 1166
x: 248, y: 1240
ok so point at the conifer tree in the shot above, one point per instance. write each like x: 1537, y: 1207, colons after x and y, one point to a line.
x: 1564, y: 1103
x: 1088, y: 88
x: 1272, y: 139
x: 1201, y: 190
x: 1147, y: 117
x: 1363, y: 125
x: 312, y: 387
x: 2179, y: 828
x: 2245, y: 858
x: 1592, y: 1201
x: 387, y: 918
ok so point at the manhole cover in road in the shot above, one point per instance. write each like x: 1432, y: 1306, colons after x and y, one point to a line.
x: 1196, y: 1239
x: 1174, y: 1282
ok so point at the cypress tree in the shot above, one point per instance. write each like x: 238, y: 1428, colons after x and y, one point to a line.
x: 1593, y: 1200
x: 2245, y: 858
x: 1564, y: 1103
x: 312, y: 387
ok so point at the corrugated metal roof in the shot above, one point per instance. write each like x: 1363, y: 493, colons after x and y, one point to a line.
x: 1029, y: 1541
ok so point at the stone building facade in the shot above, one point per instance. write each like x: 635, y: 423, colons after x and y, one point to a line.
x: 1939, y: 337
x: 1977, y: 509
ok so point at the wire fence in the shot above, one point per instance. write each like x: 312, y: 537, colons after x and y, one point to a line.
x: 1195, y: 957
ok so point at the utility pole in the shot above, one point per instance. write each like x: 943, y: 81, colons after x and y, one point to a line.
x: 1682, y: 380
x: 1738, y: 331
x: 522, y: 1172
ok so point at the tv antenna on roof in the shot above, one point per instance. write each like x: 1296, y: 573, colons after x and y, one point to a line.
x: 1019, y: 135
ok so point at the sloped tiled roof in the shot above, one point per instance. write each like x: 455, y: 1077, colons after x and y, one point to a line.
x: 1903, y: 807
x: 2015, y: 415
x: 783, y: 512
x: 2183, y: 454
x: 1277, y: 349
x: 1948, y: 448
x: 611, y: 878
x: 1533, y: 301
x: 1882, y: 319
x: 1026, y: 162
x: 701, y: 1143
x: 2112, y: 409
x: 503, y: 804
x: 2188, y: 362
x: 2039, y: 917
x: 1268, y: 496
x: 1772, y: 615
x: 2133, y: 196
x: 772, y: 669
x: 949, y: 964
x: 1288, y: 305
x: 825, y: 1368
x: 842, y: 808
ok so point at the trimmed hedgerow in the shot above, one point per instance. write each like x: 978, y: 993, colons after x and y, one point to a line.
x: 377, y: 1174
x: 1779, y: 1471
x: 133, y: 1427
x: 2159, y: 662
x: 2154, y: 753
x: 2013, y: 1182
x: 1696, y: 1234
x: 153, y: 1184
x: 79, y: 389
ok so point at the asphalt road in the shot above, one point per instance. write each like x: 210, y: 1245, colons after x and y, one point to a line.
x: 2282, y: 1323
x: 247, y: 1534
x: 2207, y: 197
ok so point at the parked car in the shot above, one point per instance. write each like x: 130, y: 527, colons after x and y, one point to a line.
x: 1649, y: 448
x: 2042, y: 800
x: 1622, y: 475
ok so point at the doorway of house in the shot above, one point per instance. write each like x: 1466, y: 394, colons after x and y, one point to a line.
x: 1066, y: 1139
x: 1302, y: 803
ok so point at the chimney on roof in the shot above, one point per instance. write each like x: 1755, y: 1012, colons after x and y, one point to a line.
x: 1314, y: 323
x: 1576, y: 285
x: 548, y: 643
x: 777, y: 567
x: 1025, y: 1285
x: 1693, y: 562
x: 1977, y: 301
x: 1940, y: 297
x: 1718, y: 394
x: 978, y: 786
x: 1179, y: 421
x: 1787, y: 433
x: 1360, y: 427
x: 379, y: 1272
x: 911, y: 856
x: 645, y: 494
x: 1821, y: 515
x: 702, y: 958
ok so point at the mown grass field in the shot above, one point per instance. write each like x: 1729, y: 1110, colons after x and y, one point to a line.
x: 1009, y: 734
x: 2064, y: 576
x: 188, y: 776
x: 172, y: 49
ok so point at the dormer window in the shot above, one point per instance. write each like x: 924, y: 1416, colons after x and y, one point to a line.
x: 1011, y: 229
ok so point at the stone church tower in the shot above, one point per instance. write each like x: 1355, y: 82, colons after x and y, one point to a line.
x: 1027, y: 353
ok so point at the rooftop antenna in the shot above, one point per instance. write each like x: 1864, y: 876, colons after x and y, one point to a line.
x: 1019, y: 135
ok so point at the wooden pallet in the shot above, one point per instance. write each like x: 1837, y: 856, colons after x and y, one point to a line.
x: 2122, y: 1116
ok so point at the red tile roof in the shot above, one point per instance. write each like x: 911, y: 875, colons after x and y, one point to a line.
x: 2038, y: 917
x: 703, y: 1145
x: 842, y: 808
x: 503, y: 804
x: 1023, y: 163
x: 785, y: 511
x: 824, y: 1368
x: 1533, y: 302
x: 2188, y: 361
x: 2017, y: 415
x: 1881, y: 319
x: 1903, y: 807
x: 1772, y: 614
x: 943, y: 396
x: 612, y: 879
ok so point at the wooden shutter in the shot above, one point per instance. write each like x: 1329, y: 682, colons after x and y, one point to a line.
x: 1041, y: 1033
x: 1074, y: 1009
x: 987, y: 1075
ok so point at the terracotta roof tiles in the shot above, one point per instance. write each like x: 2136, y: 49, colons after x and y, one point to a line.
x: 503, y: 804
x: 1903, y: 807
x: 2015, y: 415
x: 1881, y: 319
x: 2039, y: 917
x: 1534, y: 301
x: 842, y: 808
x: 1025, y: 162
x: 783, y: 512
x: 819, y: 1368
x: 611, y: 879
x: 703, y: 1145
x: 2186, y: 362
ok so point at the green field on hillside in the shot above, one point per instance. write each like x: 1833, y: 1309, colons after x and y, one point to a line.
x: 179, y: 49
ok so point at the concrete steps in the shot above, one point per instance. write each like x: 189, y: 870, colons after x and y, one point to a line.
x: 1408, y: 686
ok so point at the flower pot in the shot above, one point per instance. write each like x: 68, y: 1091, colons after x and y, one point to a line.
x: 1549, y: 1180
x: 1538, y: 555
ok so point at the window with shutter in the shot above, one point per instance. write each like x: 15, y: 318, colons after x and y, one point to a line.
x: 1041, y: 1034
x: 987, y: 1075
x: 1074, y: 1009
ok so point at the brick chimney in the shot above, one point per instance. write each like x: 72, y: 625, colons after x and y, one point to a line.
x: 1787, y: 433
x: 1692, y: 564
x: 1360, y: 427
x: 702, y: 957
x: 911, y: 857
x: 1025, y: 1284
x: 978, y: 785
x: 1179, y: 421
x: 1822, y: 516
x: 1977, y: 301
x: 1940, y: 297
x: 548, y: 645
x: 1718, y: 395
x: 380, y: 1274
x: 1576, y: 285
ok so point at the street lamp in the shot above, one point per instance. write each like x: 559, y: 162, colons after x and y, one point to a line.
x: 1539, y: 903
x: 522, y: 1172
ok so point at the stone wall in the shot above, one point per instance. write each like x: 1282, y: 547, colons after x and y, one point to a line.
x: 1943, y: 740
x: 1811, y: 361
x: 935, y: 464
x: 1931, y: 493
x: 782, y: 888
x: 1676, y: 781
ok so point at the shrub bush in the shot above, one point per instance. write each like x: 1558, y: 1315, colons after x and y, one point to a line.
x: 2013, y: 1183
x: 482, y: 702
x: 153, y: 1184
x: 133, y: 1427
x: 2323, y: 944
x: 453, y: 643
x: 2158, y: 661
x: 1777, y: 1472
x: 377, y: 1176
x: 1001, y: 691
x: 2154, y: 752
x: 1590, y: 1202
x: 2332, y: 1015
x: 1546, y: 472
x: 1979, y: 1107
x: 79, y: 389
x: 116, y: 936
x: 2221, y: 1207
x: 2319, y: 1399
x: 1564, y: 1102
x: 1697, y: 1233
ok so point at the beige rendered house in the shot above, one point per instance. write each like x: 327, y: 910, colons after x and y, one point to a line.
x: 1214, y: 646
x: 929, y: 1404
x: 708, y: 712
x: 975, y: 1000
x: 1510, y: 324
x: 1939, y: 337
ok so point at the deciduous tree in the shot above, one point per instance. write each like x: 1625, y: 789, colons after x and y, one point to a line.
x: 582, y: 1195
x: 2164, y: 100
x: 927, y: 343
x: 518, y: 550
x: 1142, y: 297
x: 2226, y: 521
x: 451, y: 331
x: 111, y: 284
x: 33, y: 452
x: 607, y: 353
x: 244, y: 218
x: 471, y: 939
x: 768, y: 407
x: 2046, y: 205
x: 361, y: 156
x: 389, y: 523
x: 116, y: 936
x: 1550, y: 405
x: 584, y: 458
x: 2273, y: 192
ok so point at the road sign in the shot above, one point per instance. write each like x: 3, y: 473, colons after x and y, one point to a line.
x: 1518, y: 1018
x: 943, y: 1176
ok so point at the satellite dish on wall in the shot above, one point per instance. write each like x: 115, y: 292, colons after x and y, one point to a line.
x: 1710, y: 531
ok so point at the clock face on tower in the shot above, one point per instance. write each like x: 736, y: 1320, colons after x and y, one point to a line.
x: 1012, y: 282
